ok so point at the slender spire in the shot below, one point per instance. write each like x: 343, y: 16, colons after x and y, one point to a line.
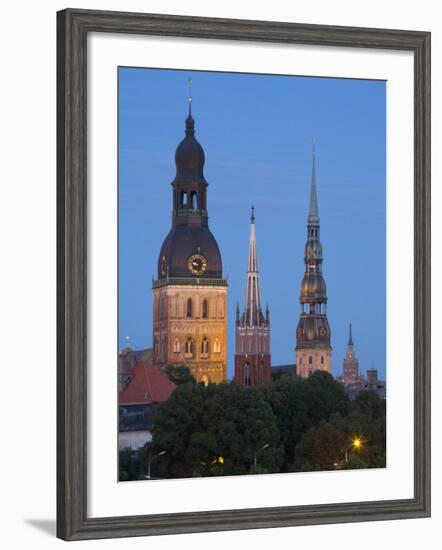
x: 313, y: 214
x: 253, y: 258
x: 350, y: 337
x: 252, y: 311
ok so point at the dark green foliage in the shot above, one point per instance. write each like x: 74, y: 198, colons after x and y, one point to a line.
x: 133, y: 464
x: 216, y: 430
x: 300, y: 404
x: 321, y: 448
x: 308, y: 424
x: 179, y: 374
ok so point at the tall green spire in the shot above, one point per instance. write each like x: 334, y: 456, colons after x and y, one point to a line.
x: 313, y: 213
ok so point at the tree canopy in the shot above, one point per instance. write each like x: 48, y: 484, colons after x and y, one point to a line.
x: 216, y: 430
x: 288, y: 424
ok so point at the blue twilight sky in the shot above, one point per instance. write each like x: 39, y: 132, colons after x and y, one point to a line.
x: 257, y: 133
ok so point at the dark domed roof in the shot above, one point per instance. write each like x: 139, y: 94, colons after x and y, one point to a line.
x: 182, y: 242
x: 313, y: 287
x: 312, y: 329
x: 189, y: 157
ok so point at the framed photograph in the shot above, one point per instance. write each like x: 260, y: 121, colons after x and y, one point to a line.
x: 243, y: 274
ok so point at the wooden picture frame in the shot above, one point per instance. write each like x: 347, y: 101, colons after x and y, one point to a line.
x: 73, y: 27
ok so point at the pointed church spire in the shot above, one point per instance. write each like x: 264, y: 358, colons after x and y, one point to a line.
x: 253, y: 258
x: 313, y: 213
x: 350, y: 337
x: 252, y: 309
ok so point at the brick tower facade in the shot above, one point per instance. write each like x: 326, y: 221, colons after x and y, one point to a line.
x: 252, y: 352
x: 190, y: 294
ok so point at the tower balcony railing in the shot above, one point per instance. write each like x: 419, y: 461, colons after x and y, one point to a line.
x: 194, y: 281
x: 192, y: 212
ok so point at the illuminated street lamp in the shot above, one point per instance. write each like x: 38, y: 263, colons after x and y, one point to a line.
x: 257, y: 453
x: 356, y: 444
x: 149, y: 463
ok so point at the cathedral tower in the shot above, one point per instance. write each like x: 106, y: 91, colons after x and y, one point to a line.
x: 350, y: 366
x: 252, y: 353
x: 189, y: 326
x: 313, y: 349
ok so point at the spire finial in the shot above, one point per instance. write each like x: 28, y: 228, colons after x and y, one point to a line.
x: 252, y: 217
x: 189, y: 99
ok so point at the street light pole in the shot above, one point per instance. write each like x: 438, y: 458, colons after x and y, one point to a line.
x: 356, y: 444
x: 149, y: 463
x: 255, y: 463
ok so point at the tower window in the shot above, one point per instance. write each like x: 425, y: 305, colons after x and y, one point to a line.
x: 189, y: 347
x: 322, y: 359
x: 189, y: 307
x: 176, y: 346
x: 217, y: 346
x: 261, y: 373
x: 246, y: 374
x: 205, y: 309
x: 204, y: 347
x: 310, y: 360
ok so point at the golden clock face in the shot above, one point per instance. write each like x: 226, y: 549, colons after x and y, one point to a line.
x: 197, y: 264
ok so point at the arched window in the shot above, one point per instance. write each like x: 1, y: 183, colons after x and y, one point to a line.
x: 322, y: 359
x: 189, y: 308
x: 310, y: 360
x: 189, y: 347
x: 204, y: 347
x: 176, y: 346
x: 217, y: 346
x: 205, y: 309
x: 246, y: 374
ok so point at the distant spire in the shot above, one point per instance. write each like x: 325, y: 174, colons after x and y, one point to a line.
x: 350, y: 337
x: 252, y: 217
x: 313, y: 215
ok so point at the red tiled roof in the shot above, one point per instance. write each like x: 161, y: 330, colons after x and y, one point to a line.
x: 148, y: 385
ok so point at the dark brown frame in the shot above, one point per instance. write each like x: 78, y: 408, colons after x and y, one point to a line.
x: 73, y: 27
